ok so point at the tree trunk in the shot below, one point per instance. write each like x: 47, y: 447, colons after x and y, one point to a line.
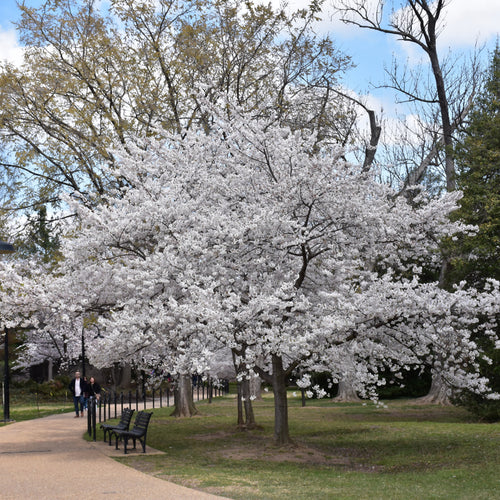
x: 281, y: 430
x: 241, y: 422
x: 121, y: 375
x: 346, y: 393
x: 183, y: 397
x: 438, y: 393
x: 50, y: 370
x: 256, y: 387
x: 247, y: 405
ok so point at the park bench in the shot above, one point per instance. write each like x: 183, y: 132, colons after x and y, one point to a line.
x: 122, y: 425
x: 139, y: 431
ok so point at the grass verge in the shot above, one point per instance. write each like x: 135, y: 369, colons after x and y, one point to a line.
x: 341, y: 451
x: 29, y: 412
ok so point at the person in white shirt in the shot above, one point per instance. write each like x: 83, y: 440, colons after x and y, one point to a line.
x: 77, y: 388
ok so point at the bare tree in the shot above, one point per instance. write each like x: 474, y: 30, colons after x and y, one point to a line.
x: 447, y: 90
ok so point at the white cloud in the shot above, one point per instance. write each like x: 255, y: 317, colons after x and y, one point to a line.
x: 329, y: 22
x: 469, y: 21
x: 463, y: 23
x: 10, y: 50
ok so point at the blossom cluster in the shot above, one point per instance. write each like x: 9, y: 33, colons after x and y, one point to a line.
x: 246, y: 243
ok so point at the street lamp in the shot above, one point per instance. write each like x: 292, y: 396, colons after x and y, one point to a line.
x: 6, y: 248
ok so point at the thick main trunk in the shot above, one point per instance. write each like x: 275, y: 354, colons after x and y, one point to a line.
x: 438, y: 393
x: 281, y: 431
x: 183, y: 397
x: 346, y: 393
x: 444, y: 108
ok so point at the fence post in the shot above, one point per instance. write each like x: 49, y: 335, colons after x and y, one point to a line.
x: 89, y: 416
x: 93, y: 404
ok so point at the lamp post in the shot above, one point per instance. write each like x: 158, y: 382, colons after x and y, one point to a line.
x: 83, y: 353
x: 6, y: 248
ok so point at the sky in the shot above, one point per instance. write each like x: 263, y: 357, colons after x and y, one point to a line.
x: 467, y: 23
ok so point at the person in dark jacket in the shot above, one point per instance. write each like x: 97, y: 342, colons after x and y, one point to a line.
x: 78, y: 387
x: 94, y: 392
x: 94, y: 389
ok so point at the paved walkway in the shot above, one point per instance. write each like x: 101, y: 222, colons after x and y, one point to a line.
x: 47, y: 458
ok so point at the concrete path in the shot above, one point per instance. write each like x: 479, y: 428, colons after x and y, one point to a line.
x: 47, y: 458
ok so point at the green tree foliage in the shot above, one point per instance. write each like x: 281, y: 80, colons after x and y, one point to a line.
x: 41, y: 238
x: 478, y: 161
x: 478, y: 257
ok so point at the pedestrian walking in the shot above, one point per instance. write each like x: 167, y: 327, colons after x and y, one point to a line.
x: 77, y: 387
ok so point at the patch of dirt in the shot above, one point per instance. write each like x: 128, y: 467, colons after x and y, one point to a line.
x: 292, y: 453
x: 212, y: 436
x: 259, y: 448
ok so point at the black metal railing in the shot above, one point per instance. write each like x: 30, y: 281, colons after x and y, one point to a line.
x: 110, y: 404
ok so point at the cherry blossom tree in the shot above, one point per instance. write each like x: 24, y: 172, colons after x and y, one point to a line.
x: 251, y: 240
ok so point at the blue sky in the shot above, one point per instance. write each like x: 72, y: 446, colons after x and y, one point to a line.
x: 466, y: 22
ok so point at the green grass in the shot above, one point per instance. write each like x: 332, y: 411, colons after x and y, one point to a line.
x: 29, y: 412
x: 27, y: 405
x: 342, y: 451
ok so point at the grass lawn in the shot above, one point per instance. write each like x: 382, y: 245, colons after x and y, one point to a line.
x: 19, y: 412
x: 29, y: 400
x: 341, y: 451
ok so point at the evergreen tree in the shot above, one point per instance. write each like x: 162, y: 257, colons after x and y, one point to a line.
x: 478, y: 161
x: 41, y: 237
x: 478, y: 256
